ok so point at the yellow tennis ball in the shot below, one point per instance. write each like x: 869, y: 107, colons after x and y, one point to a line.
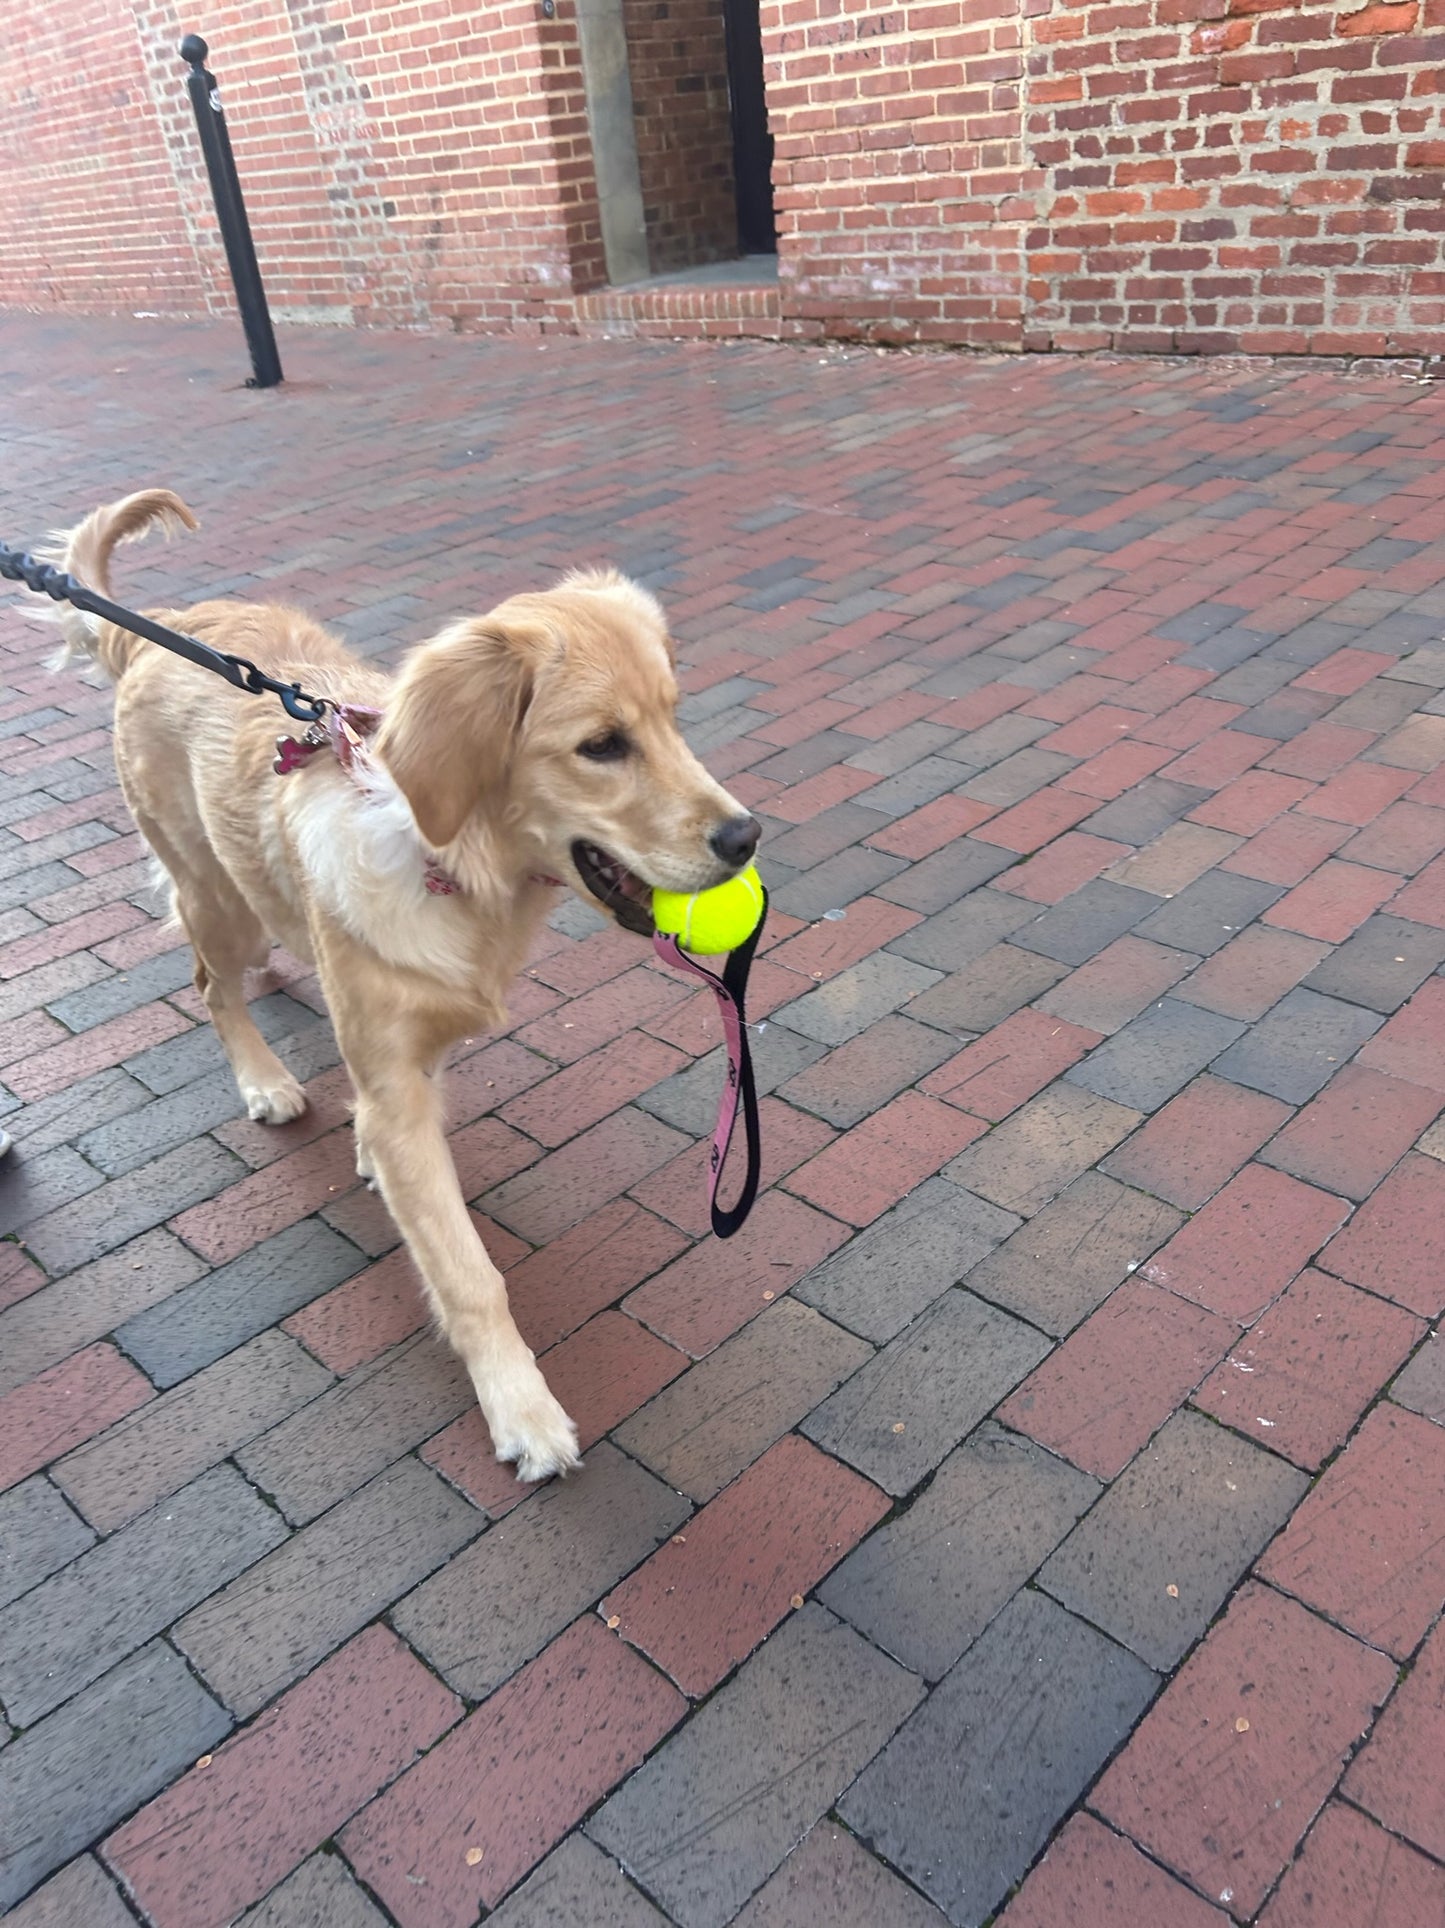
x: 710, y: 922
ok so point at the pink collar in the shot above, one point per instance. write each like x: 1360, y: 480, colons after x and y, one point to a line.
x: 344, y: 732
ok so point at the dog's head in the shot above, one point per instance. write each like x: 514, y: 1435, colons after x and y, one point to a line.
x: 553, y: 719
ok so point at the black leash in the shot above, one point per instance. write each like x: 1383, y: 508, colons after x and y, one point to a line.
x: 46, y: 580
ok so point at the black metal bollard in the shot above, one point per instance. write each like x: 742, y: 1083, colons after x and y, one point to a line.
x: 231, y: 213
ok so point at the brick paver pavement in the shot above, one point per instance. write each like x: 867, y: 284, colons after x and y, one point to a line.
x: 1035, y: 1513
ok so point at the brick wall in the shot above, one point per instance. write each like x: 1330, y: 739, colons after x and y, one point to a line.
x: 1148, y: 174
x: 1238, y: 174
x: 677, y: 55
x: 899, y: 170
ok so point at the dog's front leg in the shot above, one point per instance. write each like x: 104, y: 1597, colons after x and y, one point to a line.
x: 399, y: 1122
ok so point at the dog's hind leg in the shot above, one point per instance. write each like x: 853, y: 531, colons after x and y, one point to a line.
x: 227, y: 937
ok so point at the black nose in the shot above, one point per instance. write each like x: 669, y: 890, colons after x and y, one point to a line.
x: 737, y: 839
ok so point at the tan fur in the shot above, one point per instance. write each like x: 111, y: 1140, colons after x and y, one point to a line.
x: 479, y: 755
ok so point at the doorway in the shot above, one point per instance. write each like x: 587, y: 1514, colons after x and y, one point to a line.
x: 752, y: 142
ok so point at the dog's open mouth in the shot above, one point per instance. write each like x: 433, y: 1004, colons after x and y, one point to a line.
x: 616, y: 887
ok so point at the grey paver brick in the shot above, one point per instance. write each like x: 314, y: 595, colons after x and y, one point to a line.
x: 70, y: 1778
x: 1141, y: 814
x: 1023, y: 1162
x: 688, y: 1099
x: 66, y: 1632
x: 1155, y: 1055
x: 887, y: 1274
x: 168, y: 1441
x: 1383, y: 963
x: 125, y: 1207
x: 1208, y: 912
x: 320, y: 1894
x: 863, y: 1074
x: 358, y: 1427
x: 286, y: 1613
x: 72, y: 1312
x: 956, y: 936
x: 926, y: 1583
x: 222, y: 1309
x: 125, y: 991
x: 39, y: 1534
x: 712, y: 1814
x: 929, y: 777
x: 856, y: 998
x: 702, y: 1430
x: 1085, y: 921
x: 1004, y: 737
x: 898, y: 1416
x: 1068, y: 1259
x: 501, y: 1601
x: 946, y: 876
x: 828, y: 1878
x: 987, y: 990
x: 43, y: 1181
x: 965, y: 1795
x: 1296, y: 1048
x: 1017, y: 776
x: 577, y: 1884
x: 64, y: 1115
x: 80, y: 1896
x: 1192, y: 1511
x: 837, y: 881
x: 178, y: 1061
x: 1421, y: 1386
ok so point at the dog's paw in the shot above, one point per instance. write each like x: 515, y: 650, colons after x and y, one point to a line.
x: 540, y: 1439
x: 274, y: 1104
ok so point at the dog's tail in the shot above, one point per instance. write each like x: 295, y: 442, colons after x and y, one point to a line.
x: 85, y: 552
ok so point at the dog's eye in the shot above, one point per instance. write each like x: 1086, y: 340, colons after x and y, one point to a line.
x: 605, y: 749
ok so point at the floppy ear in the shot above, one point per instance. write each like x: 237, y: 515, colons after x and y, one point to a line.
x: 452, y: 726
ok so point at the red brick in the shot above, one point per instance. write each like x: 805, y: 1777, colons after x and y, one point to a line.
x: 679, y: 1191
x: 1093, y: 1878
x: 1348, y: 1137
x: 883, y: 1158
x: 1252, y: 972
x: 1352, y: 1874
x: 133, y: 947
x: 1345, y: 672
x: 835, y: 944
x: 1250, y: 802
x: 1218, y: 759
x: 1101, y: 1395
x: 512, y: 1779
x: 227, y: 1832
x: 1189, y: 722
x: 94, y: 1050
x: 1037, y: 820
x: 1333, y: 902
x: 1390, y: 1775
x: 1359, y: 793
x: 1096, y: 729
x: 718, y: 1286
x: 1247, y: 1243
x: 1423, y: 899
x: 981, y: 706
x: 367, y: 1315
x: 1319, y: 751
x: 1007, y: 1067
x: 588, y: 1268
x: 938, y: 823
x: 1412, y: 1044
x: 64, y: 1406
x: 593, y: 1088
x: 19, y: 1275
x: 1300, y: 1379
x: 834, y: 785
x: 1403, y: 838
x: 1066, y: 864
x: 1116, y: 984
x: 1198, y: 1141
x: 1231, y: 1764
x: 32, y: 1033
x: 571, y: 1030
x: 1174, y: 859
x: 61, y: 940
x: 578, y: 967
x: 1395, y: 1243
x: 269, y: 1200
x: 705, y: 1600
x: 1113, y: 771
x: 601, y: 1374
x: 1287, y: 850
x: 1365, y: 1546
x: 694, y: 1025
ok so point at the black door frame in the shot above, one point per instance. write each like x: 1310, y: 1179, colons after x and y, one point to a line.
x: 752, y: 142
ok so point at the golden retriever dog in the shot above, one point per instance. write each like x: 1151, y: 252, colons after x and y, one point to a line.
x: 515, y: 751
